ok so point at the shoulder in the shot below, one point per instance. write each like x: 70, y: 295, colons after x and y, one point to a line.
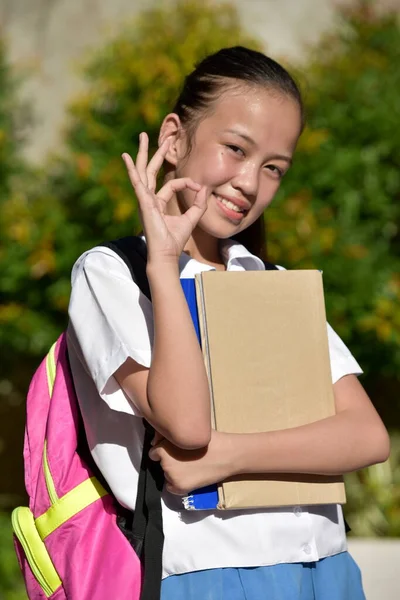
x: 100, y: 260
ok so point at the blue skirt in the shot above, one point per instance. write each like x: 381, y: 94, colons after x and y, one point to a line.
x: 333, y: 578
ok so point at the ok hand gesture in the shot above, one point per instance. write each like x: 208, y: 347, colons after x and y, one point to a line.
x: 166, y: 235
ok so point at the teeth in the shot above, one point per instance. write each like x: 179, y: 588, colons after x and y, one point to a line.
x: 230, y: 204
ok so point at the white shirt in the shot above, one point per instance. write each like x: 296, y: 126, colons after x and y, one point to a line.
x: 111, y: 320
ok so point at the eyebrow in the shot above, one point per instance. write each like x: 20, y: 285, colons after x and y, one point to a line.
x: 250, y: 140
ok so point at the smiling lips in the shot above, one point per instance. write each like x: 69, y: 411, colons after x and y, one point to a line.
x: 232, y: 207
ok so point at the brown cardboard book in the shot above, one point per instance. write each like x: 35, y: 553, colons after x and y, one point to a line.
x: 265, y: 344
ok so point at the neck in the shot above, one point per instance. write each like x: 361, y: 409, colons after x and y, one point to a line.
x: 205, y: 248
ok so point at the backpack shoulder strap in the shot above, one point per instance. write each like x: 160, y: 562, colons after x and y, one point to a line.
x: 269, y: 266
x: 144, y: 528
x: 133, y: 251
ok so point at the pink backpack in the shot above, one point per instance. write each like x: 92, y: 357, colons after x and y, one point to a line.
x: 68, y: 542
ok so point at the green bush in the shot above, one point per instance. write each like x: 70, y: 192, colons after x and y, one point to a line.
x: 85, y: 196
x: 373, y: 497
x: 11, y: 584
x: 339, y: 207
x: 13, y: 200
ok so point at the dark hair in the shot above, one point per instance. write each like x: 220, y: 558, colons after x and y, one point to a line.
x: 203, y: 86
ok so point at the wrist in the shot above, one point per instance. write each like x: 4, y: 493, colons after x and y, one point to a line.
x: 162, y: 268
x: 246, y: 450
x: 234, y: 455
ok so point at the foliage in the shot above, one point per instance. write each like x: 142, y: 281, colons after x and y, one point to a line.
x: 22, y: 230
x: 373, y: 497
x: 84, y: 197
x: 11, y: 122
x: 132, y: 84
x: 11, y: 584
x: 339, y: 207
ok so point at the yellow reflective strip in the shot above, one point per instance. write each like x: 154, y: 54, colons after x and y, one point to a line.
x: 69, y: 505
x: 51, y: 488
x: 51, y: 376
x: 51, y: 368
x: 35, y: 551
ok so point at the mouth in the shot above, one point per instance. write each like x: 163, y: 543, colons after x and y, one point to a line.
x: 234, y: 209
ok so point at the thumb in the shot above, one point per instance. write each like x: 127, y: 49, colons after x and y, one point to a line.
x: 155, y: 454
x: 198, y: 208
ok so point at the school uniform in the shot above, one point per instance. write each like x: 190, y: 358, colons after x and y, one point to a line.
x: 251, y: 552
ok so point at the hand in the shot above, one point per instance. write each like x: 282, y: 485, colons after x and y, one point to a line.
x: 187, y: 470
x: 166, y: 235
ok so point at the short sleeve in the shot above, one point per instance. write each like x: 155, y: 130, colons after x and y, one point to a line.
x: 342, y: 361
x: 110, y: 320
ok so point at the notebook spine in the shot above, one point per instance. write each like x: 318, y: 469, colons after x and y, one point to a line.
x: 201, y: 305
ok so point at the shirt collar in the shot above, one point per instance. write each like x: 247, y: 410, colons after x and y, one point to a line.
x: 235, y: 256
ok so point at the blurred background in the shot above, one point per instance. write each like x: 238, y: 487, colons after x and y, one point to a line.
x: 80, y: 79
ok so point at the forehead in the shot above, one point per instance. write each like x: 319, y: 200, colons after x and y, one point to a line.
x: 268, y: 117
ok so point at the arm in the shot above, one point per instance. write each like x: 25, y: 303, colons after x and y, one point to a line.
x: 352, y: 439
x: 173, y: 395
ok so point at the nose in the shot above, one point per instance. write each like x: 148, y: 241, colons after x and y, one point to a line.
x: 246, y: 179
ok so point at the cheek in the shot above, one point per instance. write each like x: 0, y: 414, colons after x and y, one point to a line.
x: 220, y: 168
x: 209, y: 167
x: 267, y: 192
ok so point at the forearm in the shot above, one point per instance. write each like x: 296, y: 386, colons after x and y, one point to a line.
x: 345, y: 442
x: 177, y: 386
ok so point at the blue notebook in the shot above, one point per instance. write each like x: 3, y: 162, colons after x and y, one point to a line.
x: 204, y: 498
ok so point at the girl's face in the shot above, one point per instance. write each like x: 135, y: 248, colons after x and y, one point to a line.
x: 240, y: 152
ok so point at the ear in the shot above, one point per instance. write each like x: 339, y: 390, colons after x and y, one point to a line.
x: 172, y: 128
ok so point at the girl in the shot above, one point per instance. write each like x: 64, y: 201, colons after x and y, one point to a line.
x: 225, y: 149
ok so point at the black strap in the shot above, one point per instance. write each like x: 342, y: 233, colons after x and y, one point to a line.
x: 133, y: 251
x: 270, y: 267
x: 143, y: 527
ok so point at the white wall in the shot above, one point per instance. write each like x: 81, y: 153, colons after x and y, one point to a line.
x: 379, y: 562
x: 48, y: 38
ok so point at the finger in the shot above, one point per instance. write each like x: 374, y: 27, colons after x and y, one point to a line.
x: 134, y: 176
x: 198, y: 208
x: 156, y: 163
x: 177, y: 185
x: 131, y: 168
x: 142, y: 157
x: 174, y: 490
x: 155, y: 454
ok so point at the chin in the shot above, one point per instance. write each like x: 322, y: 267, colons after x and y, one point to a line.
x: 221, y: 231
x: 220, y: 228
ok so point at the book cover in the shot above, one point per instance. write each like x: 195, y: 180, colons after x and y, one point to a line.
x: 264, y: 339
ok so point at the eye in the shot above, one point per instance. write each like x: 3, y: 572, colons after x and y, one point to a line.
x: 275, y: 171
x: 235, y: 149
